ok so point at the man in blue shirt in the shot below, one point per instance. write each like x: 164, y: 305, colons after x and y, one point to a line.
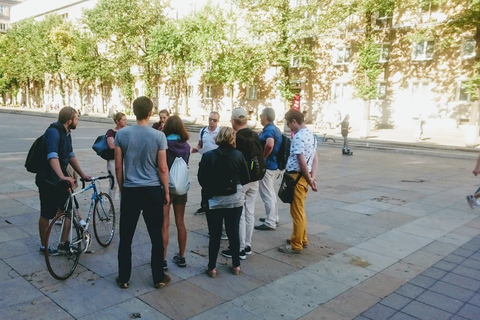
x: 271, y: 137
x: 52, y: 179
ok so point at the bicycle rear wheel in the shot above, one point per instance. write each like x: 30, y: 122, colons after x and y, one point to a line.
x: 104, y: 219
x: 61, y: 264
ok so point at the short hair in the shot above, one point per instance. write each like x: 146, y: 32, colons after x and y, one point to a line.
x: 226, y: 137
x: 269, y: 113
x: 215, y: 112
x: 141, y: 107
x: 65, y: 114
x: 117, y: 116
x: 164, y: 111
x: 174, y: 125
x: 294, y: 114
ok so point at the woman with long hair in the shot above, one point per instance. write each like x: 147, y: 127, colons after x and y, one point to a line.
x: 177, y: 140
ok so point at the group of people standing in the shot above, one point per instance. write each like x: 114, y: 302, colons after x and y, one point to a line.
x: 142, y: 159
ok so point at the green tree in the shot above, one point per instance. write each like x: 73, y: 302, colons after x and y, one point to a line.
x: 124, y: 27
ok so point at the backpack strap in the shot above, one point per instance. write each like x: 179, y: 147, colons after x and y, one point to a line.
x: 201, y: 135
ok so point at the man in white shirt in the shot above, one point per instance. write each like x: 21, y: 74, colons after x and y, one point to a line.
x: 206, y: 142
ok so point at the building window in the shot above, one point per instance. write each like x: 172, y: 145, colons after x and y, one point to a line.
x: 426, y: 10
x: 419, y: 89
x: 105, y: 91
x: 468, y: 48
x: 464, y: 92
x: 2, y: 10
x: 3, y: 26
x: 341, y: 55
x: 190, y: 91
x: 383, y: 20
x: 172, y: 91
x: 383, y: 52
x: 209, y: 91
x: 296, y: 62
x: 208, y: 66
x: 341, y: 91
x: 381, y: 91
x: 423, y: 50
x: 252, y: 91
x: 64, y: 16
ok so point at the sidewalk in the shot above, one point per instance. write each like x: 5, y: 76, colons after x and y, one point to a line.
x: 390, y: 237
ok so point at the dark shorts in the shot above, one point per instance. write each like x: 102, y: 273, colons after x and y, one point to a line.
x: 52, y: 197
x: 178, y: 199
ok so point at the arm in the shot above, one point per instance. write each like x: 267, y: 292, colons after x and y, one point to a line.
x: 269, y: 144
x: 111, y: 143
x: 74, y: 163
x: 55, y: 164
x: 198, y: 147
x: 163, y: 173
x: 304, y: 169
x: 476, y: 170
x: 119, y: 167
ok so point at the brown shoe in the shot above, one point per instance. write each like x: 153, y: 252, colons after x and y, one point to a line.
x: 304, y: 245
x: 211, y: 273
x: 236, y: 271
x: 163, y: 283
x: 288, y: 249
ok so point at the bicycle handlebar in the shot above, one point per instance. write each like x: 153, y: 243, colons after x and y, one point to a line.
x: 109, y: 176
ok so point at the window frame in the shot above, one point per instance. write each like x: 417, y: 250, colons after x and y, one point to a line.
x: 208, y: 91
x: 344, y: 52
x: 465, y: 40
x: 252, y: 91
x: 382, y: 47
x: 459, y: 93
x: 340, y: 90
x: 423, y: 56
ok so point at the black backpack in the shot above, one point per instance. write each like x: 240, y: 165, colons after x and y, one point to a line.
x: 226, y: 179
x: 37, y: 155
x: 253, y: 154
x: 284, y: 152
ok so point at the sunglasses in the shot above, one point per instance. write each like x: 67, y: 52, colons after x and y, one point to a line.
x: 214, y: 120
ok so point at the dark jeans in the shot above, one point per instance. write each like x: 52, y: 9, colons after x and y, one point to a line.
x: 215, y: 220
x: 150, y: 200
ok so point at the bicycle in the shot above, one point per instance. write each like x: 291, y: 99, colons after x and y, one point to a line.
x: 71, y: 239
x: 325, y: 138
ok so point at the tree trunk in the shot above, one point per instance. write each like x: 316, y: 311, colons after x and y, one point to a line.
x: 27, y: 93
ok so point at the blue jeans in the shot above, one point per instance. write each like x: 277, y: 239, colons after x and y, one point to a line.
x: 150, y: 200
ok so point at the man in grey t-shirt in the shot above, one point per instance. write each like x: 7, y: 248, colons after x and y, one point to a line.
x: 142, y: 175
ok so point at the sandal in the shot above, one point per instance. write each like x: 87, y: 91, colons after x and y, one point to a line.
x: 211, y: 273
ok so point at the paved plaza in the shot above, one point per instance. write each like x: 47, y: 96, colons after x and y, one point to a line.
x: 390, y: 237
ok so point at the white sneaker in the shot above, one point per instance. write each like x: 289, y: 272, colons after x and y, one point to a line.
x: 471, y: 201
x: 477, y: 203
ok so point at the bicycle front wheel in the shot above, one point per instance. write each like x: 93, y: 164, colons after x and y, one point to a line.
x: 104, y: 219
x: 61, y: 254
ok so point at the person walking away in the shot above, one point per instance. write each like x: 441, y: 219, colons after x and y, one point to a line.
x: 303, y: 160
x: 271, y: 138
x: 177, y: 141
x: 120, y: 120
x: 472, y: 199
x: 144, y: 188
x: 249, y: 144
x: 162, y: 118
x: 206, y: 142
x: 52, y: 178
x: 345, y: 127
x: 221, y: 173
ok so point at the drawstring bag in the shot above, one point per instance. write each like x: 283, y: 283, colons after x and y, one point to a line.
x: 179, y: 182
x: 101, y: 148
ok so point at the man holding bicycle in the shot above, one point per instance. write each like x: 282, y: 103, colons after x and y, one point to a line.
x: 141, y: 150
x: 52, y: 179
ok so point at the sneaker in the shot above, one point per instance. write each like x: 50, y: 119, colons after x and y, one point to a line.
x: 288, y: 249
x: 242, y: 255
x: 64, y: 247
x: 224, y: 235
x: 264, y: 227
x: 51, y: 251
x: 263, y: 220
x: 179, y: 261
x: 227, y: 253
x: 248, y: 250
x: 477, y: 203
x: 201, y: 210
x: 471, y: 201
x: 123, y: 285
x: 59, y: 222
x: 303, y: 245
x: 165, y: 266
x: 162, y: 283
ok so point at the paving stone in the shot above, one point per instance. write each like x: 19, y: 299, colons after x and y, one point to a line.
x: 402, y: 316
x: 434, y: 273
x: 471, y: 263
x: 127, y: 310
x: 470, y: 311
x: 37, y: 308
x: 475, y: 300
x: 452, y: 291
x: 19, y: 291
x: 461, y: 281
x: 425, y: 312
x: 226, y: 311
x: 467, y: 272
x: 410, y: 291
x: 396, y: 301
x: 380, y: 285
x: 379, y: 312
x: 454, y: 258
x: 352, y: 302
x: 440, y: 301
x: 445, y: 265
x: 322, y: 313
x: 462, y: 252
x: 403, y: 271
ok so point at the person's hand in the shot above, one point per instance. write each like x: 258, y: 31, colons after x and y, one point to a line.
x: 167, y: 198
x: 86, y: 178
x: 313, y: 184
x: 70, y: 181
x: 194, y: 150
x: 476, y: 171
